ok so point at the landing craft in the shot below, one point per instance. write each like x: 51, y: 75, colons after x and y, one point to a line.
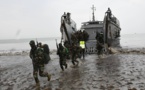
x: 110, y: 27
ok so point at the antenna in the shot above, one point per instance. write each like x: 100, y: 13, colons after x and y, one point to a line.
x: 93, y: 8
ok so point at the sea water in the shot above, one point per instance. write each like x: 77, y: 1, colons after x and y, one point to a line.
x: 132, y: 40
x: 23, y: 44
x: 126, y: 41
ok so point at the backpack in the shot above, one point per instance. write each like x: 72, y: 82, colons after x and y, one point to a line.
x: 39, y: 56
x: 46, y: 53
x: 46, y: 48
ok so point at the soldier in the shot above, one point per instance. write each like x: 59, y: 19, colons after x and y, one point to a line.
x: 74, y: 54
x: 68, y: 18
x: 33, y: 49
x: 79, y: 51
x: 62, y: 52
x: 84, y: 37
x: 37, y: 56
x: 109, y: 13
x: 67, y: 46
x: 100, y: 43
x: 63, y: 18
x: 39, y: 44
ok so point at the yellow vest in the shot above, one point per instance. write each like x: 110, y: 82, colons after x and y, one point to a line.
x: 82, y: 44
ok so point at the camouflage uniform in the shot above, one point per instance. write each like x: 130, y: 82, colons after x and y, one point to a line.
x: 62, y: 52
x: 100, y: 42
x: 75, y: 52
x: 37, y: 56
x: 33, y: 49
x: 67, y: 46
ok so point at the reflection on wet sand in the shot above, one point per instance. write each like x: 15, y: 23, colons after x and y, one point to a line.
x: 120, y: 71
x: 108, y: 70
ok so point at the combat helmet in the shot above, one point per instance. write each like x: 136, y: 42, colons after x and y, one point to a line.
x: 32, y: 42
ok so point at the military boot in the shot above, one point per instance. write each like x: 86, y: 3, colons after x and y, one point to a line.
x: 48, y: 77
x: 77, y: 63
x: 38, y: 84
x: 65, y: 66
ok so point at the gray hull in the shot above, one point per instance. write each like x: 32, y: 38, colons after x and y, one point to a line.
x: 67, y: 29
x: 111, y: 30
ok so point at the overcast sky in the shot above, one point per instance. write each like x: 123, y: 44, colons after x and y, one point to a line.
x: 41, y: 18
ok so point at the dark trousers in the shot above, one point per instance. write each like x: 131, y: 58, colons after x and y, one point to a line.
x: 62, y: 62
x: 83, y: 53
x: 100, y: 50
x: 40, y: 69
x: 74, y: 59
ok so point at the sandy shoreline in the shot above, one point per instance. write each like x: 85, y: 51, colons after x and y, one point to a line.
x: 119, y: 51
x: 20, y: 52
x: 121, y: 71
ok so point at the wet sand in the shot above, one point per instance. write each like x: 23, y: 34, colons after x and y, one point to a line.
x: 121, y: 71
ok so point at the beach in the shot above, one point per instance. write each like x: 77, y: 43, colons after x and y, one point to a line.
x: 122, y: 70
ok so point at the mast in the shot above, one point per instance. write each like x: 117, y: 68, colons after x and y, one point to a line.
x: 93, y: 9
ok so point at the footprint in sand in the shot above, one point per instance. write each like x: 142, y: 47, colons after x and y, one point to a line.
x: 74, y: 66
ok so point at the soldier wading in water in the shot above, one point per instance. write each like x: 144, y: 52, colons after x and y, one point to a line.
x: 38, y: 58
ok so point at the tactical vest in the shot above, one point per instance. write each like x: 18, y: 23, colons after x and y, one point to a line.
x: 39, y: 56
x: 82, y: 44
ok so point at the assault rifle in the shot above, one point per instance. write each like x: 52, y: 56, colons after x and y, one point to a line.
x: 56, y: 44
x: 36, y: 42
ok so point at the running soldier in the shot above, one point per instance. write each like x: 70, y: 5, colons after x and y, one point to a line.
x: 62, y: 52
x: 100, y: 43
x: 75, y: 53
x: 38, y: 57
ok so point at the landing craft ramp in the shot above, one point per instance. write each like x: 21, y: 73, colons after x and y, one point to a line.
x: 68, y: 27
